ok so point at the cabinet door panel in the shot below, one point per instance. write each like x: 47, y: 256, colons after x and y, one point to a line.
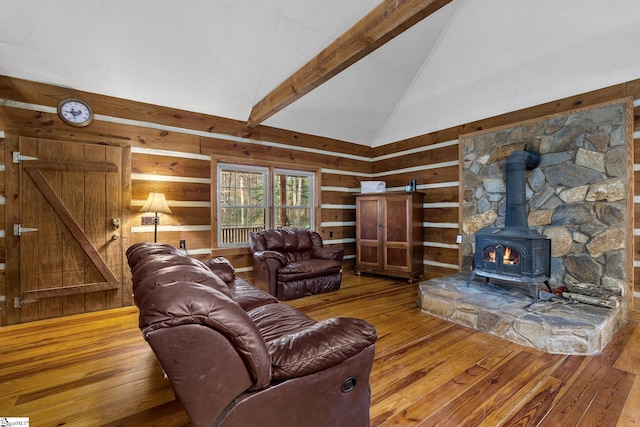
x: 368, y: 219
x: 396, y: 220
x: 397, y: 258
x: 368, y: 231
x: 369, y: 255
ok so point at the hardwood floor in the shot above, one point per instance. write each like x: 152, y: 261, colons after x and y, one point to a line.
x: 96, y: 370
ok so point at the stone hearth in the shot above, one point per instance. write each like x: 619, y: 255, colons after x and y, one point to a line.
x: 509, y: 313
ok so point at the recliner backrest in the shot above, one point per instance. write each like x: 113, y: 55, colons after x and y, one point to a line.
x: 141, y: 250
x: 294, y: 243
x: 147, y: 281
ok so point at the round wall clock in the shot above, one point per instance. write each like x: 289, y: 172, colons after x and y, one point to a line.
x: 75, y: 112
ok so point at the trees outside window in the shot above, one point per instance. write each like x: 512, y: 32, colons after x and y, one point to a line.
x: 293, y: 199
x: 246, y: 202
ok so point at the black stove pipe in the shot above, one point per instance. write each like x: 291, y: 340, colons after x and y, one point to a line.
x: 518, y: 162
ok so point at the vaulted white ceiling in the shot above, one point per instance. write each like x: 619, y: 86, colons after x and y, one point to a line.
x: 470, y: 60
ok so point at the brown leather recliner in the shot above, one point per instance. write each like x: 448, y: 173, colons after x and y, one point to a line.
x: 292, y: 263
x: 237, y: 357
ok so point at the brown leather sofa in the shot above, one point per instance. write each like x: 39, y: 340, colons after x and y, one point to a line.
x: 292, y: 263
x: 235, y: 356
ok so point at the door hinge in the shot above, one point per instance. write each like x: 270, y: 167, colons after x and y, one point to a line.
x: 17, y: 157
x: 18, y: 229
x: 18, y: 302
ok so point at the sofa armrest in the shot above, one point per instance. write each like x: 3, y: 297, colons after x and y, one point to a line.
x: 265, y: 255
x: 265, y: 269
x: 329, y: 252
x: 185, y: 355
x: 319, y: 346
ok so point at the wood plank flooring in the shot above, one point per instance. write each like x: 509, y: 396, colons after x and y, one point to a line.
x: 96, y: 370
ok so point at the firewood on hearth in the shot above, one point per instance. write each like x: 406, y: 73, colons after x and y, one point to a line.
x: 612, y: 302
x: 592, y: 290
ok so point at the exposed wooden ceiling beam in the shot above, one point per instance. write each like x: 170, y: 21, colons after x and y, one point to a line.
x: 389, y: 19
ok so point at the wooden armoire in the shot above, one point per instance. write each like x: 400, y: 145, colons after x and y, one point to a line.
x: 389, y: 234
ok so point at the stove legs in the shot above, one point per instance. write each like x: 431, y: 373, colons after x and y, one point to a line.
x: 534, y: 287
x: 535, y: 290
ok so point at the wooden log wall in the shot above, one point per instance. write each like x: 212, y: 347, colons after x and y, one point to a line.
x: 173, y: 151
x: 432, y: 160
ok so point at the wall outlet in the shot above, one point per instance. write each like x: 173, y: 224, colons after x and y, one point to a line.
x: 459, y: 238
x: 183, y: 244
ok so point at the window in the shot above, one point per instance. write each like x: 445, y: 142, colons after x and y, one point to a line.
x: 247, y: 202
x: 293, y: 202
x: 242, y: 205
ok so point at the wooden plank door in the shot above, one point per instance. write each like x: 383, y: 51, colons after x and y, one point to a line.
x: 69, y: 192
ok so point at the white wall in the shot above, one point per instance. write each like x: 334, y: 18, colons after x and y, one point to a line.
x: 532, y: 52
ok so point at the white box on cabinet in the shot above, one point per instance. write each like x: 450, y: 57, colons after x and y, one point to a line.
x: 372, y: 186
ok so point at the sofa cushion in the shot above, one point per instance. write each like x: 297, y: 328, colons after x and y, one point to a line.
x: 329, y: 252
x: 156, y: 261
x: 316, y: 240
x: 148, y: 267
x: 296, y: 240
x: 276, y: 320
x: 248, y: 296
x: 319, y: 346
x: 222, y: 268
x: 307, y: 268
x: 175, y: 273
x: 305, y: 287
x: 273, y: 240
x: 290, y: 240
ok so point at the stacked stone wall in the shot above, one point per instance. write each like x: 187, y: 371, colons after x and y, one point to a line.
x: 577, y: 196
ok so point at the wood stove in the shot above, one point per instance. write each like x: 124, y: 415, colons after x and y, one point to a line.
x: 515, y: 254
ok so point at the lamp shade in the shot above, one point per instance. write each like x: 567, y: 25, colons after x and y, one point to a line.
x: 156, y: 202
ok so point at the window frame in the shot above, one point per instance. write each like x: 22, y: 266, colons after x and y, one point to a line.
x: 241, y: 168
x: 289, y: 171
x: 225, y: 163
